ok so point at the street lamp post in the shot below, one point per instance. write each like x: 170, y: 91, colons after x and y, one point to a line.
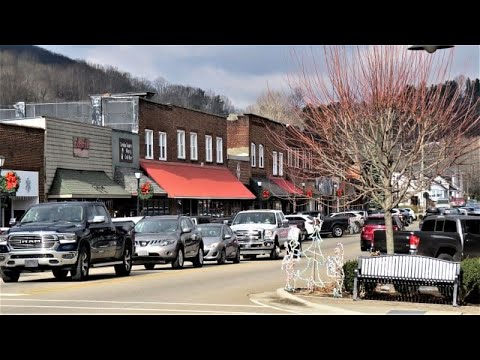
x: 138, y: 175
x: 2, y: 161
x: 306, y: 200
x: 259, y: 183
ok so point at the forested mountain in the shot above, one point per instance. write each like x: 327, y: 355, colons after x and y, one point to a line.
x: 33, y: 74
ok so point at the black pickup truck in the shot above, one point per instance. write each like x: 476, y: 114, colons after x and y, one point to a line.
x: 335, y: 226
x: 448, y: 237
x: 65, y: 236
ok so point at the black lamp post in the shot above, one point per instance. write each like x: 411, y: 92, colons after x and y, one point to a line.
x: 2, y: 161
x: 305, y: 195
x: 259, y: 183
x: 138, y: 175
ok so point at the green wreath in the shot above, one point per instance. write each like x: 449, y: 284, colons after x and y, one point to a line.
x: 10, y: 182
x: 146, y: 191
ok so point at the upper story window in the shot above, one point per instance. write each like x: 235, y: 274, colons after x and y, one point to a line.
x: 296, y: 158
x: 253, y: 161
x: 275, y: 163
x: 162, y: 143
x: 148, y: 144
x: 181, y: 144
x: 289, y: 157
x: 280, y: 164
x: 260, y: 156
x: 208, y: 148
x: 193, y: 146
x: 219, y: 150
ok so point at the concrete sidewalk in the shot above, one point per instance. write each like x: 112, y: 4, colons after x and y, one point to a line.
x: 322, y: 305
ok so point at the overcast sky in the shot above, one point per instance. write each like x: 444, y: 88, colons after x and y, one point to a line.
x: 240, y: 72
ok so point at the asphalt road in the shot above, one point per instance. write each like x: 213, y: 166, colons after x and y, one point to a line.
x: 210, y: 290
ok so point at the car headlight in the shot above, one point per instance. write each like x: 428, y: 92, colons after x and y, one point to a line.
x: 268, y: 233
x: 166, y: 242
x: 67, y: 238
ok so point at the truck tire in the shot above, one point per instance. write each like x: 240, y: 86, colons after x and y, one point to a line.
x: 178, y: 262
x: 10, y: 276
x: 125, y: 267
x: 444, y: 256
x: 337, y: 231
x: 60, y: 274
x: 82, y: 267
x: 274, y: 255
x: 198, y: 260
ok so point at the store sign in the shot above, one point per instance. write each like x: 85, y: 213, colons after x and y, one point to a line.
x: 28, y: 182
x: 125, y: 150
x: 81, y: 146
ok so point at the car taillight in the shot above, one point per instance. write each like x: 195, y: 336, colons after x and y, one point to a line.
x: 413, y: 241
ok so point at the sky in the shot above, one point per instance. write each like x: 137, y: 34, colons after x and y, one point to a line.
x: 240, y: 72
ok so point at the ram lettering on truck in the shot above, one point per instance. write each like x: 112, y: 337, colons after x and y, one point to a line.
x: 65, y: 236
x: 261, y: 232
x: 447, y: 237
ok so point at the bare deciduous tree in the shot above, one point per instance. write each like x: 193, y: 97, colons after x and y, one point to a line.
x: 375, y: 122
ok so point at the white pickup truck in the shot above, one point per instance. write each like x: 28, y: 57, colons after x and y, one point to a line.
x: 261, y: 232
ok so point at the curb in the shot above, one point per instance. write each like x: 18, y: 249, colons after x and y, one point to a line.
x: 322, y: 309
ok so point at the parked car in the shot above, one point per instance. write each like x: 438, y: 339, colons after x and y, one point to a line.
x: 411, y: 213
x: 373, y: 223
x: 350, y: 214
x: 168, y: 239
x: 303, y: 222
x: 220, y: 243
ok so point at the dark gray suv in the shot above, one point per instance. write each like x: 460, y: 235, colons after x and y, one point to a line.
x: 167, y: 239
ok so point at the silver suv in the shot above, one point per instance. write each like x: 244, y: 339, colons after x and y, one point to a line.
x: 261, y: 232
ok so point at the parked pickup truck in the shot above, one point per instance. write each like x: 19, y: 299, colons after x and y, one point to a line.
x: 448, y: 237
x: 261, y: 232
x: 334, y: 225
x: 65, y: 236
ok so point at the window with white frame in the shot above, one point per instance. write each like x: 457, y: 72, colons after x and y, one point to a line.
x: 208, y: 148
x: 275, y: 163
x: 148, y: 144
x: 305, y: 160
x: 181, y: 144
x: 162, y: 144
x: 280, y: 164
x: 296, y: 158
x: 193, y: 146
x: 289, y: 157
x: 260, y: 156
x: 219, y: 150
x: 253, y: 161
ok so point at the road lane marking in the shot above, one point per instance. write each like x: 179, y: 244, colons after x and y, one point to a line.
x: 138, y: 302
x: 132, y: 309
x: 11, y: 294
x: 276, y: 308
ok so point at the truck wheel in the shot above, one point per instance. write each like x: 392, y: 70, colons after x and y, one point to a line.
x: 178, y: 262
x: 198, y: 260
x: 337, y: 231
x: 275, y: 251
x: 126, y: 266
x: 223, y: 256
x: 10, y: 276
x: 237, y: 257
x: 60, y: 274
x: 80, y: 271
x: 445, y: 257
x: 149, y: 266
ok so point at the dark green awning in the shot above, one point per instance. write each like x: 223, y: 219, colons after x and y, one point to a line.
x: 78, y: 184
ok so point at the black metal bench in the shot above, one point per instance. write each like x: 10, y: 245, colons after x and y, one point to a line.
x: 407, y: 270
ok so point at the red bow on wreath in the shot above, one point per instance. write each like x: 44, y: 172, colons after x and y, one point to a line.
x: 265, y: 194
x: 146, y: 191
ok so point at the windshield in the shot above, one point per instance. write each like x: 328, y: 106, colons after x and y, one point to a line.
x: 54, y: 213
x: 156, y: 226
x: 254, y: 218
x: 210, y: 231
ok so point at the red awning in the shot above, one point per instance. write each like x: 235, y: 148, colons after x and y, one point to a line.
x: 286, y: 185
x: 192, y: 181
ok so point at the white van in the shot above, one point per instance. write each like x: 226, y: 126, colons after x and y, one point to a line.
x: 442, y: 203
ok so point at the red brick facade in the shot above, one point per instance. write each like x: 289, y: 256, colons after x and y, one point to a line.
x: 23, y: 148
x: 169, y: 119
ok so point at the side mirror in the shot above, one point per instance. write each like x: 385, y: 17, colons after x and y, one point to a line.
x: 285, y: 222
x: 186, y: 230
x: 227, y: 236
x: 12, y: 221
x: 97, y: 219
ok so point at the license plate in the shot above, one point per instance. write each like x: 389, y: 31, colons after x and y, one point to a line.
x: 142, y: 252
x: 31, y: 263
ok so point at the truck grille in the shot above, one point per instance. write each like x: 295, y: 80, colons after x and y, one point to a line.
x: 246, y: 235
x: 31, y: 242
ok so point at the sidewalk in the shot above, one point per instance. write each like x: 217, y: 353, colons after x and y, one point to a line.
x: 319, y: 305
